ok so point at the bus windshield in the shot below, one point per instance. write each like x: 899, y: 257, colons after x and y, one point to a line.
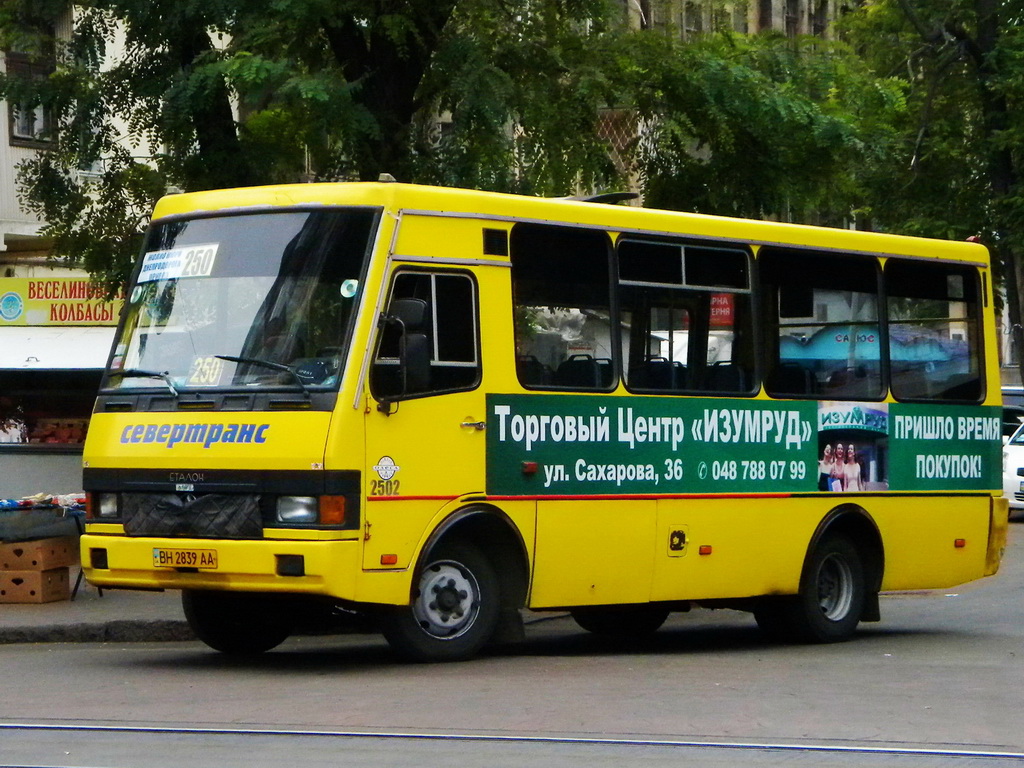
x: 250, y: 300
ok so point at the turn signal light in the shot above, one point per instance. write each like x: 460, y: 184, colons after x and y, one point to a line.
x: 960, y: 543
x: 704, y: 549
x: 332, y: 510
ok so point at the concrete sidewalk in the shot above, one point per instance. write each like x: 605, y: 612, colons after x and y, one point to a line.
x: 114, y: 616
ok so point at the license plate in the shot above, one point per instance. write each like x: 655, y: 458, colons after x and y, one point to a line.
x: 185, y: 558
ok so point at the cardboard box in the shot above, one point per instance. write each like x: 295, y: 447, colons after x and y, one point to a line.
x: 35, y: 586
x: 39, y: 555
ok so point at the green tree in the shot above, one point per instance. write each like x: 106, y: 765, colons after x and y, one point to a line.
x: 761, y: 126
x: 225, y: 92
x: 216, y: 93
x: 958, y: 166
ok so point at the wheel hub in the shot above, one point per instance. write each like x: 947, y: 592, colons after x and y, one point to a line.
x: 448, y: 600
x: 835, y: 588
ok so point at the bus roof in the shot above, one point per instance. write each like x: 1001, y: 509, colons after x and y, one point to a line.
x: 409, y: 198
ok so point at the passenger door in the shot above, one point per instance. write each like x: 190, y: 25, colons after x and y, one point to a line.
x: 425, y: 425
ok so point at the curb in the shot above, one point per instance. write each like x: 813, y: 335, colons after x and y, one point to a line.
x: 127, y: 631
x: 155, y: 631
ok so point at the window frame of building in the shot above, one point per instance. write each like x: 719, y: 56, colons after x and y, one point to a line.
x: 40, y: 134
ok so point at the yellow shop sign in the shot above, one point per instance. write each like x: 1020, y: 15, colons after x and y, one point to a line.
x: 56, y: 301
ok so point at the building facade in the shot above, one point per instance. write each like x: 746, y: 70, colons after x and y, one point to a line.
x: 694, y: 17
x: 55, y: 327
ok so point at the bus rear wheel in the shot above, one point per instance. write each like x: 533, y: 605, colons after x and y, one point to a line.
x: 830, y: 603
x: 620, y: 621
x: 454, y: 608
x: 236, y: 623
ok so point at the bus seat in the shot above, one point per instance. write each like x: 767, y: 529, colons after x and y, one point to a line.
x: 279, y: 344
x: 579, y: 371
x: 791, y: 379
x: 727, y: 377
x: 279, y: 349
x: 658, y: 373
x: 530, y: 370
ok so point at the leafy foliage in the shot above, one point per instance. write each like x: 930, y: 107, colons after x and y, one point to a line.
x: 958, y: 164
x: 761, y: 126
x: 548, y: 97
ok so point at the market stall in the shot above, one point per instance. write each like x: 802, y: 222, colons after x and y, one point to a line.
x: 55, y: 336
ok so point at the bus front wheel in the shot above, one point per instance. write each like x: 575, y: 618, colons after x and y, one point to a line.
x: 831, y: 599
x: 454, y: 608
x: 236, y: 623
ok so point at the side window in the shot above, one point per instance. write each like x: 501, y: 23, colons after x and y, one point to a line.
x: 934, y: 331
x: 685, y: 317
x: 561, y: 300
x: 821, y: 329
x: 434, y: 348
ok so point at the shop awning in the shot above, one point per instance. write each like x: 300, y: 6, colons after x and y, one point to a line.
x: 55, y: 347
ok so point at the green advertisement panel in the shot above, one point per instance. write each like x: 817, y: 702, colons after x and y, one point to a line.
x: 945, y: 448
x: 573, y: 445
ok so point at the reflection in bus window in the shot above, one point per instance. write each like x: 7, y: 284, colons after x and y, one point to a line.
x: 266, y: 287
x: 562, y: 308
x: 934, y: 332
x: 822, y: 331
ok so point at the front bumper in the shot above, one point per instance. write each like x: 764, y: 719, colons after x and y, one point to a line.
x: 329, y: 568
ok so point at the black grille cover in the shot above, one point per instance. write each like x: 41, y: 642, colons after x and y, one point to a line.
x: 210, y: 516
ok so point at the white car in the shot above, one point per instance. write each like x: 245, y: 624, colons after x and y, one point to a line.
x: 1013, y: 409
x: 1013, y: 466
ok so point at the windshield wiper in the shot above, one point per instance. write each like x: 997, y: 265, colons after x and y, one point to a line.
x: 268, y: 364
x: 138, y: 373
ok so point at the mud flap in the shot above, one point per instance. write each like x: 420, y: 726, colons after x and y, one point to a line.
x: 510, y: 627
x: 871, y: 611
x: 999, y: 522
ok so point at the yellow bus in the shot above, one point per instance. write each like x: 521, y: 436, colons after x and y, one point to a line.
x: 434, y: 408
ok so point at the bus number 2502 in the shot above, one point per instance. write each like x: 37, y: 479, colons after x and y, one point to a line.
x: 384, y: 487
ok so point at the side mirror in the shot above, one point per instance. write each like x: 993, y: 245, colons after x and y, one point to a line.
x: 409, y: 317
x: 410, y: 313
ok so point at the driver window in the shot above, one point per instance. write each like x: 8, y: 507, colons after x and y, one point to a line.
x: 439, y: 351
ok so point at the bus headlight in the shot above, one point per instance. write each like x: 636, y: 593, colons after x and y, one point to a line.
x: 297, y: 509
x: 107, y: 506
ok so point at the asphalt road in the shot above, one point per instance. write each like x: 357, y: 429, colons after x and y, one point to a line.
x: 938, y: 682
